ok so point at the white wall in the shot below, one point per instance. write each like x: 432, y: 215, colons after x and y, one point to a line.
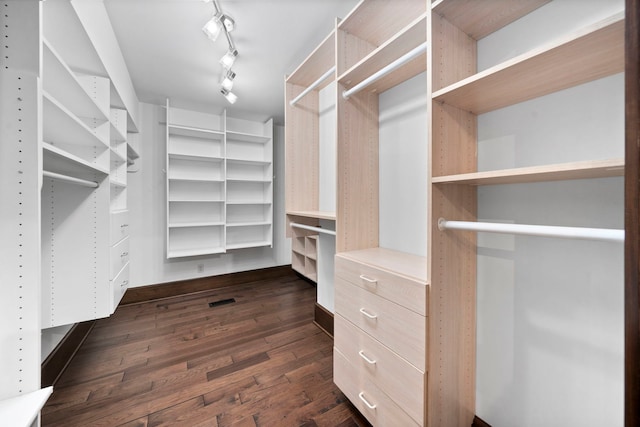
x: 147, y: 209
x: 402, y: 160
x: 550, y: 311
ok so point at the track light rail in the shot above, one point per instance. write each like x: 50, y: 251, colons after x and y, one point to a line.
x: 603, y: 234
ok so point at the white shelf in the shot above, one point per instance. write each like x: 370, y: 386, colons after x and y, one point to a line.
x: 248, y: 202
x: 256, y: 244
x: 117, y: 157
x: 60, y: 161
x: 174, y: 200
x: 63, y: 127
x: 247, y: 137
x: 117, y: 136
x: 182, y: 156
x: 249, y: 162
x: 195, y: 179
x: 118, y: 183
x: 60, y: 81
x: 22, y: 410
x: 195, y: 252
x: 194, y: 132
x: 247, y: 224
x: 262, y: 181
x: 196, y: 224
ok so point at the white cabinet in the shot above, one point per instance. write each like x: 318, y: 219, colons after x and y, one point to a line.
x: 219, y: 183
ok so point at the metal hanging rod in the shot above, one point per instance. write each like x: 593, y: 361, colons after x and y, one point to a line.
x: 71, y: 179
x: 313, y: 86
x: 386, y: 70
x: 312, y: 228
x: 604, y: 234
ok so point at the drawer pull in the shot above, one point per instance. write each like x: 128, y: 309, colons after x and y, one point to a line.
x: 365, y: 401
x: 124, y: 254
x: 366, y: 359
x: 369, y: 280
x: 125, y: 283
x: 369, y: 315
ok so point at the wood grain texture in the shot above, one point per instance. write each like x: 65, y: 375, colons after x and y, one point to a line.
x: 257, y: 362
x: 557, y: 172
x: 172, y: 289
x: 357, y: 212
x: 323, y: 319
x: 592, y: 53
x: 632, y: 215
x: 481, y: 18
x: 301, y: 139
x: 316, y: 64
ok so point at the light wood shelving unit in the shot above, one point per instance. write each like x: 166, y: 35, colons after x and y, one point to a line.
x: 219, y: 183
x: 442, y: 285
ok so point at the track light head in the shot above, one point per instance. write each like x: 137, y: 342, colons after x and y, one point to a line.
x: 213, y: 27
x: 227, y: 80
x: 229, y: 58
x: 231, y: 97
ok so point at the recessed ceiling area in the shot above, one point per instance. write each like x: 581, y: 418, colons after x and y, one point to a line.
x: 168, y: 55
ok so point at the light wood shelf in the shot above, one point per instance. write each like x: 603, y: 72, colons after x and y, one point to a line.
x: 408, y: 38
x: 594, y: 52
x: 556, y: 172
x: 315, y: 65
x: 314, y: 214
x: 478, y: 19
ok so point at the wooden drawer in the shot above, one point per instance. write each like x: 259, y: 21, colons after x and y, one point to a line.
x: 403, y: 290
x: 119, y: 256
x: 400, y: 329
x: 373, y: 403
x: 119, y: 226
x: 400, y: 380
x: 119, y: 286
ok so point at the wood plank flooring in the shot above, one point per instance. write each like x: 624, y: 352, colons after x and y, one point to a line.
x: 259, y: 361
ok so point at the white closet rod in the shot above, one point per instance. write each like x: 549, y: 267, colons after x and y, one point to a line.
x: 313, y: 86
x: 71, y: 179
x: 312, y: 228
x: 535, y: 230
x: 386, y: 70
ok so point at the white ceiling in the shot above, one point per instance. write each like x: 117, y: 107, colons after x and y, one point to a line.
x: 168, y: 55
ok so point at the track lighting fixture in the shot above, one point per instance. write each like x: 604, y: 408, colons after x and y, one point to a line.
x: 231, y: 97
x: 229, y: 58
x: 227, y: 80
x: 218, y: 23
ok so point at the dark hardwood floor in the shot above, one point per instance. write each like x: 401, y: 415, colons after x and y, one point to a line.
x: 259, y: 361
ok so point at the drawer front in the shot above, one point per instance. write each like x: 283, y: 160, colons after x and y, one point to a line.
x: 373, y: 403
x: 401, y: 290
x: 400, y: 380
x: 119, y: 256
x: 119, y: 226
x: 119, y: 286
x: 402, y: 330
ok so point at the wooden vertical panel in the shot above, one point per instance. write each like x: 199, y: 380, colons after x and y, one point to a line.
x: 357, y: 201
x: 632, y: 214
x: 454, y: 53
x: 301, y: 150
x: 452, y: 297
x: 350, y: 50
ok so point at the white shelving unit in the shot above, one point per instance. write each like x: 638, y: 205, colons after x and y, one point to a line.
x: 219, y: 183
